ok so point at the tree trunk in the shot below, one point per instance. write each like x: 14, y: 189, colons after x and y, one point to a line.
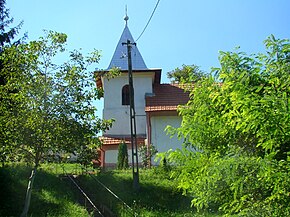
x: 28, y: 192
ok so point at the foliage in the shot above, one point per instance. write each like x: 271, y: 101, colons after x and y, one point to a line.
x: 123, y: 161
x: 109, y: 74
x: 186, y: 74
x: 87, y: 154
x: 164, y: 167
x: 146, y: 154
x: 232, y: 184
x: 112, y: 73
x: 7, y: 37
x: 252, y: 90
x: 54, y: 109
x: 239, y: 117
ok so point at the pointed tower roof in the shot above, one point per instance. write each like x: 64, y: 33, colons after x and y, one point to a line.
x: 119, y: 58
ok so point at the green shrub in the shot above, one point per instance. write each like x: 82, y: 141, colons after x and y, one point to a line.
x: 233, y: 184
x: 239, y: 118
x: 146, y: 153
x: 122, y: 156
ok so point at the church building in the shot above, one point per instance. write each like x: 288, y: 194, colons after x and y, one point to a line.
x: 155, y: 104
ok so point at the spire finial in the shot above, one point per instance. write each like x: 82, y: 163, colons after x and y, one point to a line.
x: 126, y: 18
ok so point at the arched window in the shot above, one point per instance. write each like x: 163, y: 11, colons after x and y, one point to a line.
x: 125, y: 95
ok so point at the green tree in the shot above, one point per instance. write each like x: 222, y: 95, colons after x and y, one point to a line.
x: 7, y: 38
x: 123, y: 161
x: 239, y: 117
x: 55, y: 109
x: 87, y: 155
x: 146, y: 153
x: 186, y: 74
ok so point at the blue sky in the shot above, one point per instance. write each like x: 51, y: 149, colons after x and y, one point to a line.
x: 180, y: 32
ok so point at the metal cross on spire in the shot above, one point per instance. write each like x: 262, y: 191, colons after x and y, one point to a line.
x: 126, y: 18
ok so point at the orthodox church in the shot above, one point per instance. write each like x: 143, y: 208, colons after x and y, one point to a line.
x: 155, y: 104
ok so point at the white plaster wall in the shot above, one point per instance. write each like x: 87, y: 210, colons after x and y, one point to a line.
x: 121, y: 126
x: 159, y: 137
x: 113, y: 107
x: 111, y: 156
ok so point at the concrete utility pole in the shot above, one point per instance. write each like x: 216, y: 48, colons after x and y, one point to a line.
x: 134, y: 144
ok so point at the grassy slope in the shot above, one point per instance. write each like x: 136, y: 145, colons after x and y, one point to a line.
x: 51, y: 196
x: 157, y: 196
x: 55, y: 197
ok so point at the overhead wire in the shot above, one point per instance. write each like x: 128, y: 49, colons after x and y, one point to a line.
x: 148, y: 20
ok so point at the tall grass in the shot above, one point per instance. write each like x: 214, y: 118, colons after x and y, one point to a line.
x: 157, y: 195
x: 51, y: 196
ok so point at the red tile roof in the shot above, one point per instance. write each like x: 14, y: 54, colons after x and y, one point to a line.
x: 166, y: 97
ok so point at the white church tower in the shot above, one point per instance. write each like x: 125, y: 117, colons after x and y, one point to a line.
x: 116, y: 98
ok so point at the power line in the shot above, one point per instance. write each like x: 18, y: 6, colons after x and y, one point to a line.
x: 148, y: 20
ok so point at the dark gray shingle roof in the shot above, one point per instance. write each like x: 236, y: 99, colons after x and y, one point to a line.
x: 119, y: 58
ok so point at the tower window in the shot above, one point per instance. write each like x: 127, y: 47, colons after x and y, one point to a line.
x: 125, y: 95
